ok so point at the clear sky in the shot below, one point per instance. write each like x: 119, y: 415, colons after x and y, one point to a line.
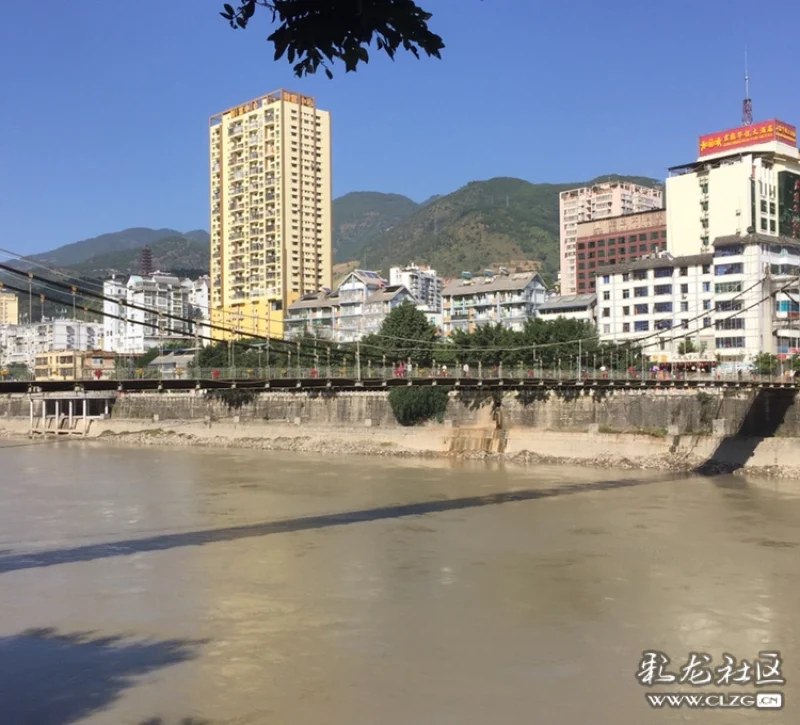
x: 105, y: 103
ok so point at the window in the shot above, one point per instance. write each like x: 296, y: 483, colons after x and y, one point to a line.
x: 728, y: 342
x: 625, y: 276
x: 684, y: 306
x: 734, y: 268
x: 653, y: 235
x: 772, y: 225
x: 606, y: 312
x: 684, y: 289
x: 706, y: 269
x: 763, y: 206
x: 626, y: 326
x: 606, y: 295
x: 626, y: 311
x: 729, y: 251
x: 606, y: 279
x: 640, y: 291
x: 735, y: 323
x: 763, y: 223
x: 684, y: 271
x: 723, y: 287
x: 662, y: 289
x: 729, y: 306
x: 663, y: 324
x: 662, y: 272
x: 632, y: 238
x: 772, y: 208
x: 642, y: 247
x: 664, y: 234
x: 640, y: 309
x: 606, y: 329
x: 706, y: 322
x: 662, y: 307
x: 640, y: 274
x: 641, y: 326
x: 642, y: 237
x: 626, y: 293
x: 706, y: 304
x: 601, y: 242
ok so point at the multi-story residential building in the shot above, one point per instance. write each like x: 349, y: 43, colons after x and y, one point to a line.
x: 745, y: 181
x: 599, y: 201
x: 604, y: 242
x: 270, y: 199
x: 569, y: 307
x: 199, y: 307
x: 9, y: 308
x: 505, y: 299
x: 380, y: 303
x: 422, y: 282
x: 132, y: 330
x: 313, y: 314
x: 19, y: 344
x: 358, y: 307
x: 74, y: 365
x: 655, y: 302
x: 354, y: 291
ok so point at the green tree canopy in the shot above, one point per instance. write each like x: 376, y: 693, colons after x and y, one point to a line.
x: 405, y: 333
x: 313, y: 31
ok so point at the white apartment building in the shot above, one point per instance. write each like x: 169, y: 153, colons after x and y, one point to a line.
x: 270, y: 200
x: 744, y: 181
x: 422, y: 282
x: 652, y: 301
x: 354, y: 291
x: 569, y: 307
x: 200, y: 307
x: 19, y: 344
x: 599, y: 201
x: 504, y: 299
x: 358, y: 307
x: 138, y: 330
x: 738, y: 301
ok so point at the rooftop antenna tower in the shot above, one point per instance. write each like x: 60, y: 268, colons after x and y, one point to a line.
x: 747, y: 104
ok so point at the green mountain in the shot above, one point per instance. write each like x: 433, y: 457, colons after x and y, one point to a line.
x: 177, y: 254
x: 361, y: 216
x: 127, y: 239
x: 499, y: 222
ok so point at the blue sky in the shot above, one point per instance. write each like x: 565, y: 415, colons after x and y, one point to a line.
x: 105, y: 103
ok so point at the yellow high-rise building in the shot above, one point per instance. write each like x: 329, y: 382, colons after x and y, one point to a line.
x: 270, y: 168
x: 9, y: 308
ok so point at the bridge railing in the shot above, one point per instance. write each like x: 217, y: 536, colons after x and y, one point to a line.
x: 351, y: 372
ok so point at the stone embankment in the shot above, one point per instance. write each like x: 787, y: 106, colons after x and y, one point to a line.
x: 713, y: 431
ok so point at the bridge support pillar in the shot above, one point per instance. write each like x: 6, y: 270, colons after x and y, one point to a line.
x: 720, y: 427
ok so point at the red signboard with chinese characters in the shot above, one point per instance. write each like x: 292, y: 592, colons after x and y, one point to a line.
x: 735, y: 138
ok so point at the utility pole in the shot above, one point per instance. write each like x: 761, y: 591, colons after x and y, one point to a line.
x: 30, y: 298
x: 580, y: 355
x: 358, y: 359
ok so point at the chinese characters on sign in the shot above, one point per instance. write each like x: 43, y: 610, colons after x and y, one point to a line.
x: 747, y: 135
x: 699, y: 670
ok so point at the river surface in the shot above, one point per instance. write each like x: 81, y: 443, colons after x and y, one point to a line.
x: 166, y: 587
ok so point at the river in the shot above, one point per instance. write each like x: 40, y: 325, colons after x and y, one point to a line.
x: 204, y: 586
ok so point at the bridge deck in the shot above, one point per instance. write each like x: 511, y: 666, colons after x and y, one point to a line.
x: 353, y: 384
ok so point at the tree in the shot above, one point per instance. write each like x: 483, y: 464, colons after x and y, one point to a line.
x: 405, y: 333
x: 765, y: 363
x: 314, y: 30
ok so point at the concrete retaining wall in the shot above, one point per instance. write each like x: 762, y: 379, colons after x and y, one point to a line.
x: 717, y: 412
x: 656, y: 412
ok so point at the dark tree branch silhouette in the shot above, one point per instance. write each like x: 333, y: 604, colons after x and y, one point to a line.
x: 318, y: 32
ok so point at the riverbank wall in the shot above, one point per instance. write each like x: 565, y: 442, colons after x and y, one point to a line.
x: 719, y: 429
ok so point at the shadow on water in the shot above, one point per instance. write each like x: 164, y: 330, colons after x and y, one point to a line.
x: 52, y: 678
x: 90, y: 552
x: 764, y: 417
